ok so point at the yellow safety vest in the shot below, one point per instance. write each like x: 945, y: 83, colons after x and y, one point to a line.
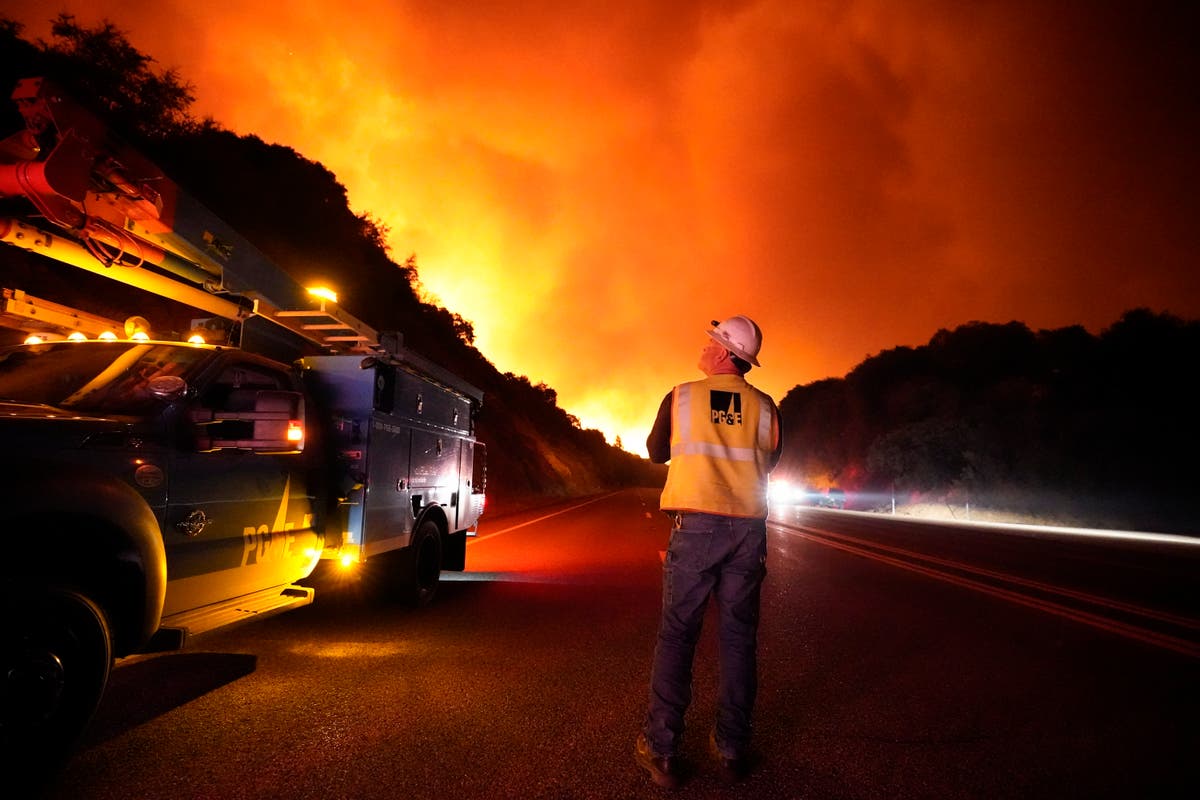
x: 723, y: 432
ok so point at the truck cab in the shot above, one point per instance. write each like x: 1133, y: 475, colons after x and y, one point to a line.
x: 198, y: 433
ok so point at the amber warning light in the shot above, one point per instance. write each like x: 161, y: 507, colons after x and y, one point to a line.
x: 323, y: 292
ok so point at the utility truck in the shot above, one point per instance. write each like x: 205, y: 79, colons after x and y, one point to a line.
x: 155, y: 489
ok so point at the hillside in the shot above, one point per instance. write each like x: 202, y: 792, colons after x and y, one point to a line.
x: 297, y: 213
x: 1056, y: 425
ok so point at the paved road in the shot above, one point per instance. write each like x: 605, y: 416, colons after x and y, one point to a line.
x: 895, y: 664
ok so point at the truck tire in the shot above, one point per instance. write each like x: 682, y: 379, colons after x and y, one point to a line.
x: 421, y: 565
x: 55, y: 657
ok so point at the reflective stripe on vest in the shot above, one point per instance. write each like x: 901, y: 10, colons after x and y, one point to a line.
x: 717, y: 465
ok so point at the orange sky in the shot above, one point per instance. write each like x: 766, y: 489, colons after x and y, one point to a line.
x: 591, y: 183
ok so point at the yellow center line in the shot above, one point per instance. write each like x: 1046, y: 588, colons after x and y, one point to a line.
x: 1117, y: 605
x: 1166, y: 641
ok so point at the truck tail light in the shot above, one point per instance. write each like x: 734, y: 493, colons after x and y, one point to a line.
x: 295, y: 431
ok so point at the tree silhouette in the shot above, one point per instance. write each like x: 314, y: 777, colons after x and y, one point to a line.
x: 1099, y: 429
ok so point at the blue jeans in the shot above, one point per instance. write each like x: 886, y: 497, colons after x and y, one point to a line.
x: 724, y: 557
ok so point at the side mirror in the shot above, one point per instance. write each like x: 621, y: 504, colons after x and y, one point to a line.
x: 167, y: 387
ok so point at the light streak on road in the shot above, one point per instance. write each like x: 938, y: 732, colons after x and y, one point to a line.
x: 1024, y: 528
x: 859, y: 547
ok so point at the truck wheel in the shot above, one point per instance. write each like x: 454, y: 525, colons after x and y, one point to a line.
x: 422, y: 565
x: 55, y: 656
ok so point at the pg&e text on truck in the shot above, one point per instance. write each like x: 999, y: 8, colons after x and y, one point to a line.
x: 157, y: 489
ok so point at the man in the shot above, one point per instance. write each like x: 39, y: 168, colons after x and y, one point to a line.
x: 722, y: 437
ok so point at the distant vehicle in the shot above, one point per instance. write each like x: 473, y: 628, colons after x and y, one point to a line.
x: 786, y: 493
x: 833, y: 498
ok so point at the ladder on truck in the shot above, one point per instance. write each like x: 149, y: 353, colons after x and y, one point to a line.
x: 116, y: 214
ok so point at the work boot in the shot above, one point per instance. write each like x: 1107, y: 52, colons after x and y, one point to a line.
x: 664, y: 770
x: 729, y: 770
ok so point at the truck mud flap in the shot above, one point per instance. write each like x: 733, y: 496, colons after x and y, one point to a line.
x: 454, y: 552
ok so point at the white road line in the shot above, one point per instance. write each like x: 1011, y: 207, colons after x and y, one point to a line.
x: 1107, y: 602
x: 490, y: 536
x: 1165, y: 641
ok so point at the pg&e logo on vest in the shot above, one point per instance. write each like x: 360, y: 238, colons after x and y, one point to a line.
x: 726, y: 407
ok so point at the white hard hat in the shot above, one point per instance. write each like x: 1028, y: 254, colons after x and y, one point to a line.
x: 740, y: 336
